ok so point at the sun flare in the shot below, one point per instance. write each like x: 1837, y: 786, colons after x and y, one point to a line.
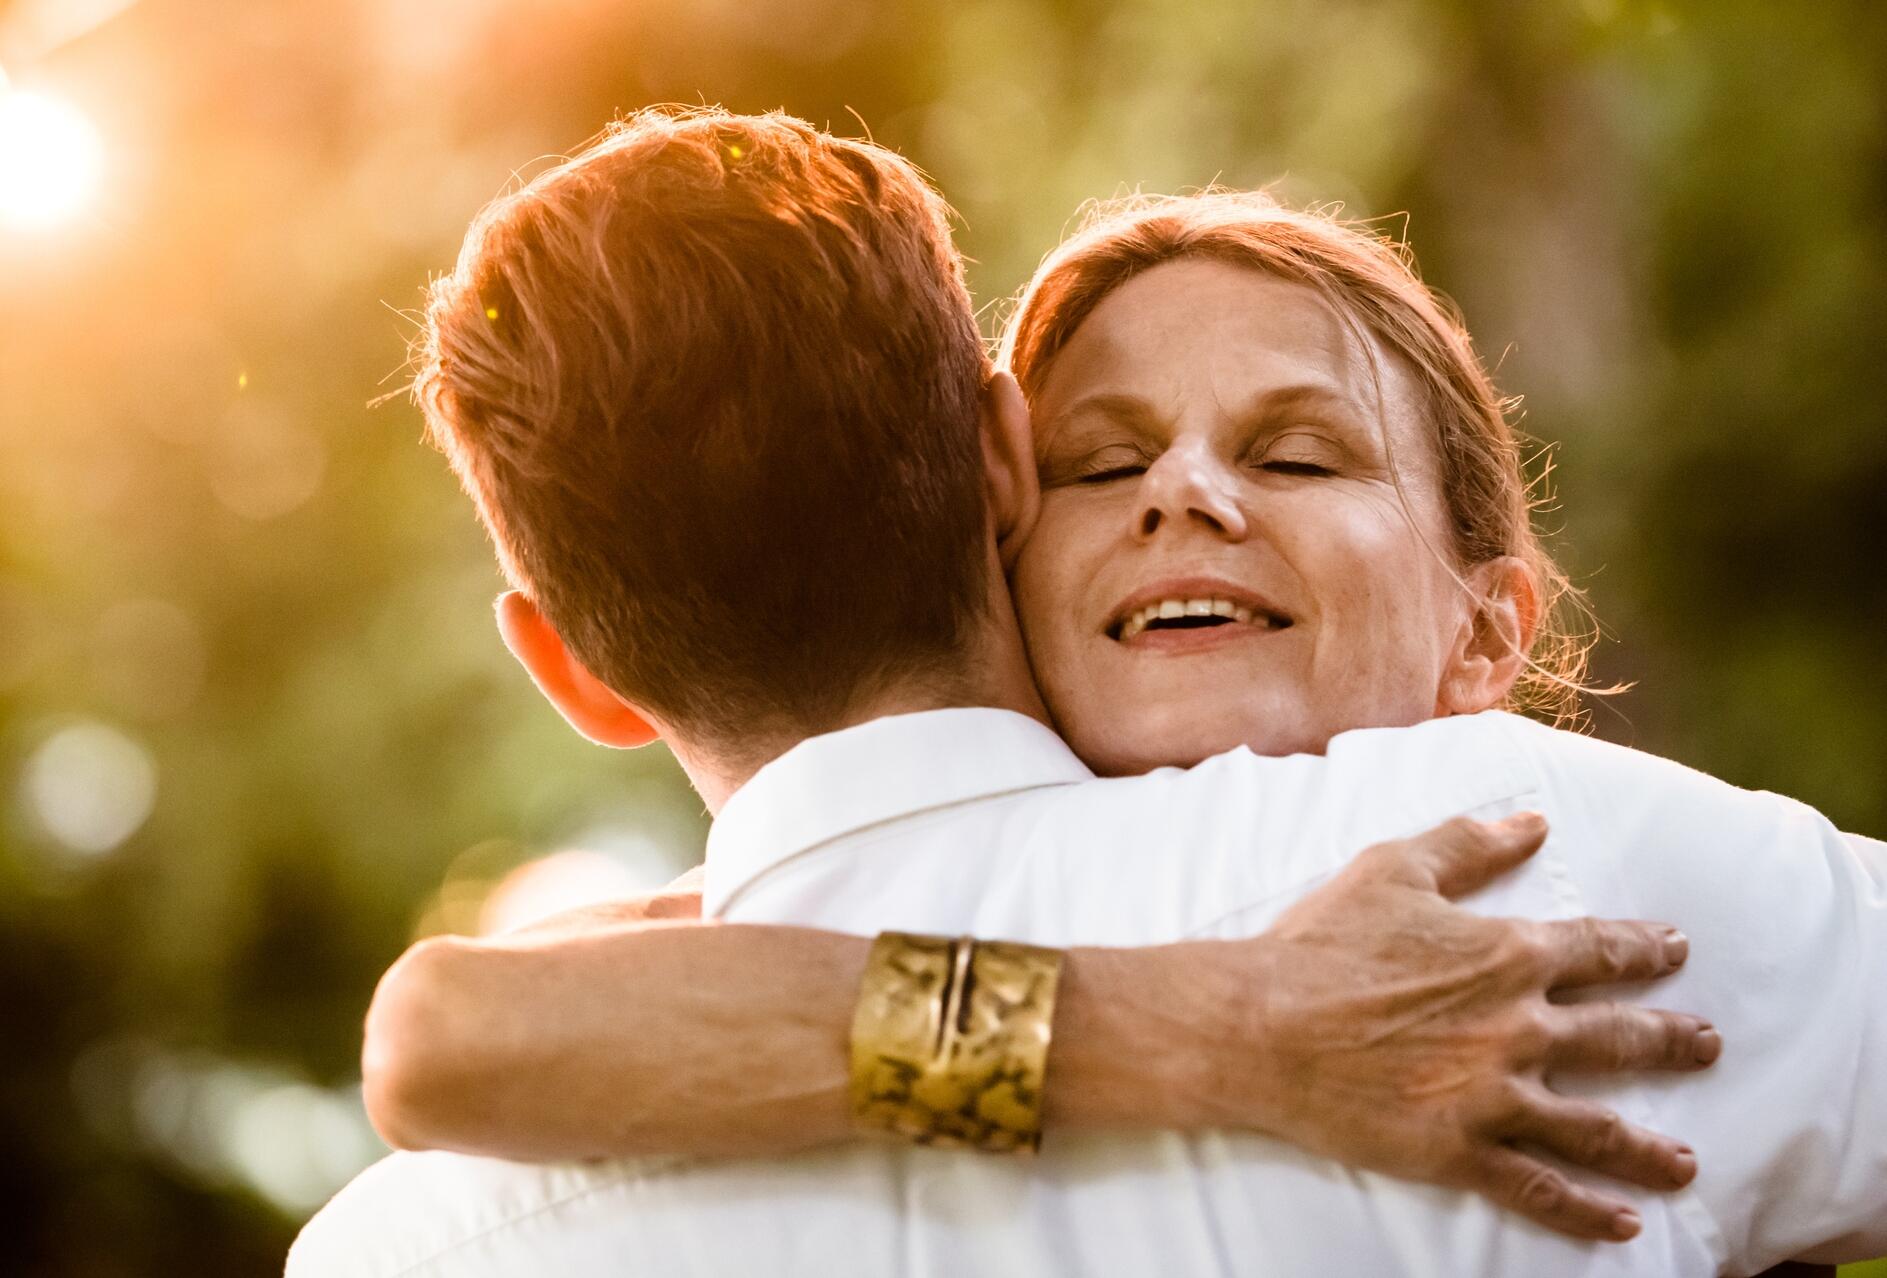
x: 50, y: 160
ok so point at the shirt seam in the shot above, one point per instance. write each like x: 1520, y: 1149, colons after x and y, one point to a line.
x: 1688, y: 1204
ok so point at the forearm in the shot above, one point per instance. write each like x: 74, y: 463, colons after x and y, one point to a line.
x: 630, y: 1039
x: 713, y: 1040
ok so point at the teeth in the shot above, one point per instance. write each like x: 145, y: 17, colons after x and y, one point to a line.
x: 1167, y: 609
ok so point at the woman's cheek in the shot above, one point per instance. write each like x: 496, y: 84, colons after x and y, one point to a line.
x: 1033, y: 587
x: 1048, y: 565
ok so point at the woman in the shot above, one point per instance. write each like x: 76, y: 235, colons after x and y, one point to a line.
x: 1325, y: 428
x: 1271, y: 465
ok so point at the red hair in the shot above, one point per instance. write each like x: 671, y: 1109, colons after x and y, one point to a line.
x: 715, y: 385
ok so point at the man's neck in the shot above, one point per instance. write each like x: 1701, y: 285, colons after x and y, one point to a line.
x: 991, y: 672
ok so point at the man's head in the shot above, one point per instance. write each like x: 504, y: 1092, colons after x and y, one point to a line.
x: 716, y: 387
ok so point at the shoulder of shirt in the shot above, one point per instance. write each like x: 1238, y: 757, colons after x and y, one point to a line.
x: 412, y: 1211
x: 1569, y: 759
x: 1666, y: 832
x: 1495, y: 749
x: 1472, y: 757
x: 1412, y: 777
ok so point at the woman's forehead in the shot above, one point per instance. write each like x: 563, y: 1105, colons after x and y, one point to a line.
x: 1200, y: 327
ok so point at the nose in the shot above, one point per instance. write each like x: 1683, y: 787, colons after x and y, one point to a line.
x: 1186, y: 485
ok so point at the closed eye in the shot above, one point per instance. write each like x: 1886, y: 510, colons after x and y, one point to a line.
x: 1296, y: 468
x: 1110, y: 474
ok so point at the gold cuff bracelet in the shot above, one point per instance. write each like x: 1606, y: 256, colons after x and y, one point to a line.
x: 950, y: 1041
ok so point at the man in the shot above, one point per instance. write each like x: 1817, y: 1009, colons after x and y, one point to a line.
x: 656, y: 555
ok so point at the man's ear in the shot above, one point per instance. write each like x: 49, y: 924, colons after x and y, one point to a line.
x: 1490, y: 653
x: 591, y: 706
x: 1015, y: 497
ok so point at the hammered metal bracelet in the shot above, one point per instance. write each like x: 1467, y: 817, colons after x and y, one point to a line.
x: 950, y: 1041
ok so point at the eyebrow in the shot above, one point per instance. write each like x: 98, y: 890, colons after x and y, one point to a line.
x: 1121, y: 407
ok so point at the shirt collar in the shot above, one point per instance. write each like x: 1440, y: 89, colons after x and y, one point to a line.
x: 832, y: 785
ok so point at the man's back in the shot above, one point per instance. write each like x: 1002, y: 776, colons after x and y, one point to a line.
x: 905, y: 824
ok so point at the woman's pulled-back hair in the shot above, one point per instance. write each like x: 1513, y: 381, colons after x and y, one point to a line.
x: 1371, y: 281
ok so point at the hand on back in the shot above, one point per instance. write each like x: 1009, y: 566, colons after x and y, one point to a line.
x: 1401, y: 1033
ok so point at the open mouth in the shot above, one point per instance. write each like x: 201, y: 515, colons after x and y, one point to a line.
x: 1193, y: 614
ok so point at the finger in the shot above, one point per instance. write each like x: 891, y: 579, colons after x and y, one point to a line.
x: 1461, y: 855
x: 1541, y: 1193
x: 1589, y: 1135
x: 1603, y: 1037
x: 1602, y: 951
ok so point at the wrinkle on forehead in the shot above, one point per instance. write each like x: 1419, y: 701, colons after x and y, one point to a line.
x: 1261, y: 333
x: 1146, y: 336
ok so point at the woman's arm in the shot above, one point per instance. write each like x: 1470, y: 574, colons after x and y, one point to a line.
x: 1375, y: 1023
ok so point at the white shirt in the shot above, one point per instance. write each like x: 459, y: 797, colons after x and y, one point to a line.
x: 982, y: 822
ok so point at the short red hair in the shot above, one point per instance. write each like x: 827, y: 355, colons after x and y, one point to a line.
x: 715, y: 386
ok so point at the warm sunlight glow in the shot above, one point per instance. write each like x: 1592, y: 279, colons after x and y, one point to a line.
x: 50, y: 157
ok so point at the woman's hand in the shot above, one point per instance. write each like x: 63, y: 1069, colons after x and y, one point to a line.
x: 1379, y: 1025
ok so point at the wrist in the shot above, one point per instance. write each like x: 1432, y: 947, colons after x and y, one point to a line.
x: 1216, y: 1035
x: 1159, y: 1037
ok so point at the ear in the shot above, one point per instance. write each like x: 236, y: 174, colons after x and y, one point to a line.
x: 1490, y: 653
x: 1015, y: 496
x: 591, y: 706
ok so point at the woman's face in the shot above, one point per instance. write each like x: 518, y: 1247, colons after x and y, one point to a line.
x: 1222, y: 556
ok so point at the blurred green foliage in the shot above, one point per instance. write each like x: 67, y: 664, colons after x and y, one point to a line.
x: 256, y: 722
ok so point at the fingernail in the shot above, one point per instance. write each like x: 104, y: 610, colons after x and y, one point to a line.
x: 1676, y: 947
x: 1625, y: 1223
x: 1521, y: 823
x: 1683, y: 1167
x: 1708, y: 1045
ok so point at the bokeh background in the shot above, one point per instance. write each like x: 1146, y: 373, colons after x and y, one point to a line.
x: 256, y: 729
